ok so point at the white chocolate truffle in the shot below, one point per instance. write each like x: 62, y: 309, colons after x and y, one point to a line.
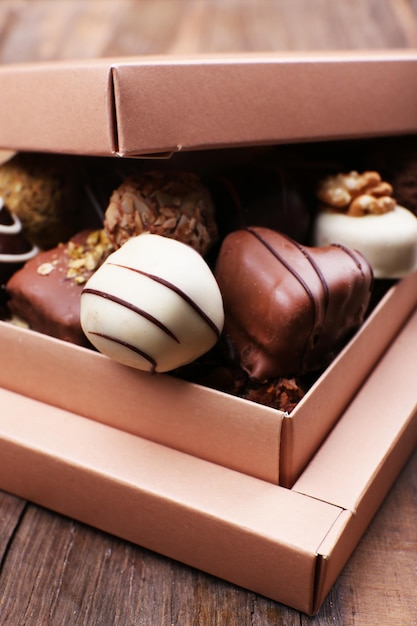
x: 153, y: 305
x: 388, y: 240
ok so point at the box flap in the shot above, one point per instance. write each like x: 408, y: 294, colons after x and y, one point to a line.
x: 194, y: 419
x: 57, y: 107
x: 172, y: 104
x: 164, y: 104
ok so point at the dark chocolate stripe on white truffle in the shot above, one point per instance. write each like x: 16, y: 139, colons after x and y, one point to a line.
x: 131, y: 307
x: 178, y: 291
x: 129, y: 346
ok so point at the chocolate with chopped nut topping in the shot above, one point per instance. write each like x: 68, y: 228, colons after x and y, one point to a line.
x: 175, y: 205
x: 46, y: 292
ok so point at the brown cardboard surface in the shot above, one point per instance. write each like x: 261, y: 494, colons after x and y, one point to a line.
x: 178, y: 104
x: 380, y: 412
x: 211, y: 425
x: 136, y: 106
x: 363, y: 454
x: 330, y: 396
x: 282, y: 543
x: 48, y: 106
x: 245, y: 530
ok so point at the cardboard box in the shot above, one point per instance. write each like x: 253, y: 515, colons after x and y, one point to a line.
x: 74, y: 410
x: 238, y: 434
x: 287, y: 544
x: 152, y: 105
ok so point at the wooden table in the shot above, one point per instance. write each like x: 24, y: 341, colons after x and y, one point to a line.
x: 56, y: 571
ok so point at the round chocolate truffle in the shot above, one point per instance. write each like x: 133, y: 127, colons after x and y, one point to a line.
x: 175, y: 205
x: 262, y: 195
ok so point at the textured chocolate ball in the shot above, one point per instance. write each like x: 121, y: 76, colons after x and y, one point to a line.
x: 175, y: 205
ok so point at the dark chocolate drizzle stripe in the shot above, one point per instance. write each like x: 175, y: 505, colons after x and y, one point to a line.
x: 131, y: 307
x: 358, y: 263
x: 129, y: 346
x: 316, y: 269
x: 355, y: 259
x: 291, y: 269
x: 318, y: 323
x: 179, y: 292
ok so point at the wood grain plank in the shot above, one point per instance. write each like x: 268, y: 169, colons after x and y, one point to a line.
x: 41, y: 30
x: 11, y: 510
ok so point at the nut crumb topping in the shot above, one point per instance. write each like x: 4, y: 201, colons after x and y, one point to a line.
x: 46, y: 268
x: 356, y: 194
x: 81, y: 259
x: 85, y: 259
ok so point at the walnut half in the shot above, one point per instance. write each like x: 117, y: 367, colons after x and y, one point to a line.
x: 356, y: 194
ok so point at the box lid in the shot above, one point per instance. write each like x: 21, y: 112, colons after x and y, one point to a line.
x: 146, y: 105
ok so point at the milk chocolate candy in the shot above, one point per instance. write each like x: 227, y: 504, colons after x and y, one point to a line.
x: 153, y: 305
x: 289, y: 308
x: 45, y: 293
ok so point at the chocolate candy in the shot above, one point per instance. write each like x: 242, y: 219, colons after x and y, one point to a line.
x: 154, y: 305
x: 289, y: 308
x: 175, y: 205
x: 15, y: 250
x: 358, y: 211
x: 42, y: 191
x: 46, y: 292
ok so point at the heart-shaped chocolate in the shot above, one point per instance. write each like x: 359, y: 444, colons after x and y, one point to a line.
x: 289, y: 308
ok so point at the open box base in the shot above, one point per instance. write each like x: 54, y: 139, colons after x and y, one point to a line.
x: 286, y: 544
